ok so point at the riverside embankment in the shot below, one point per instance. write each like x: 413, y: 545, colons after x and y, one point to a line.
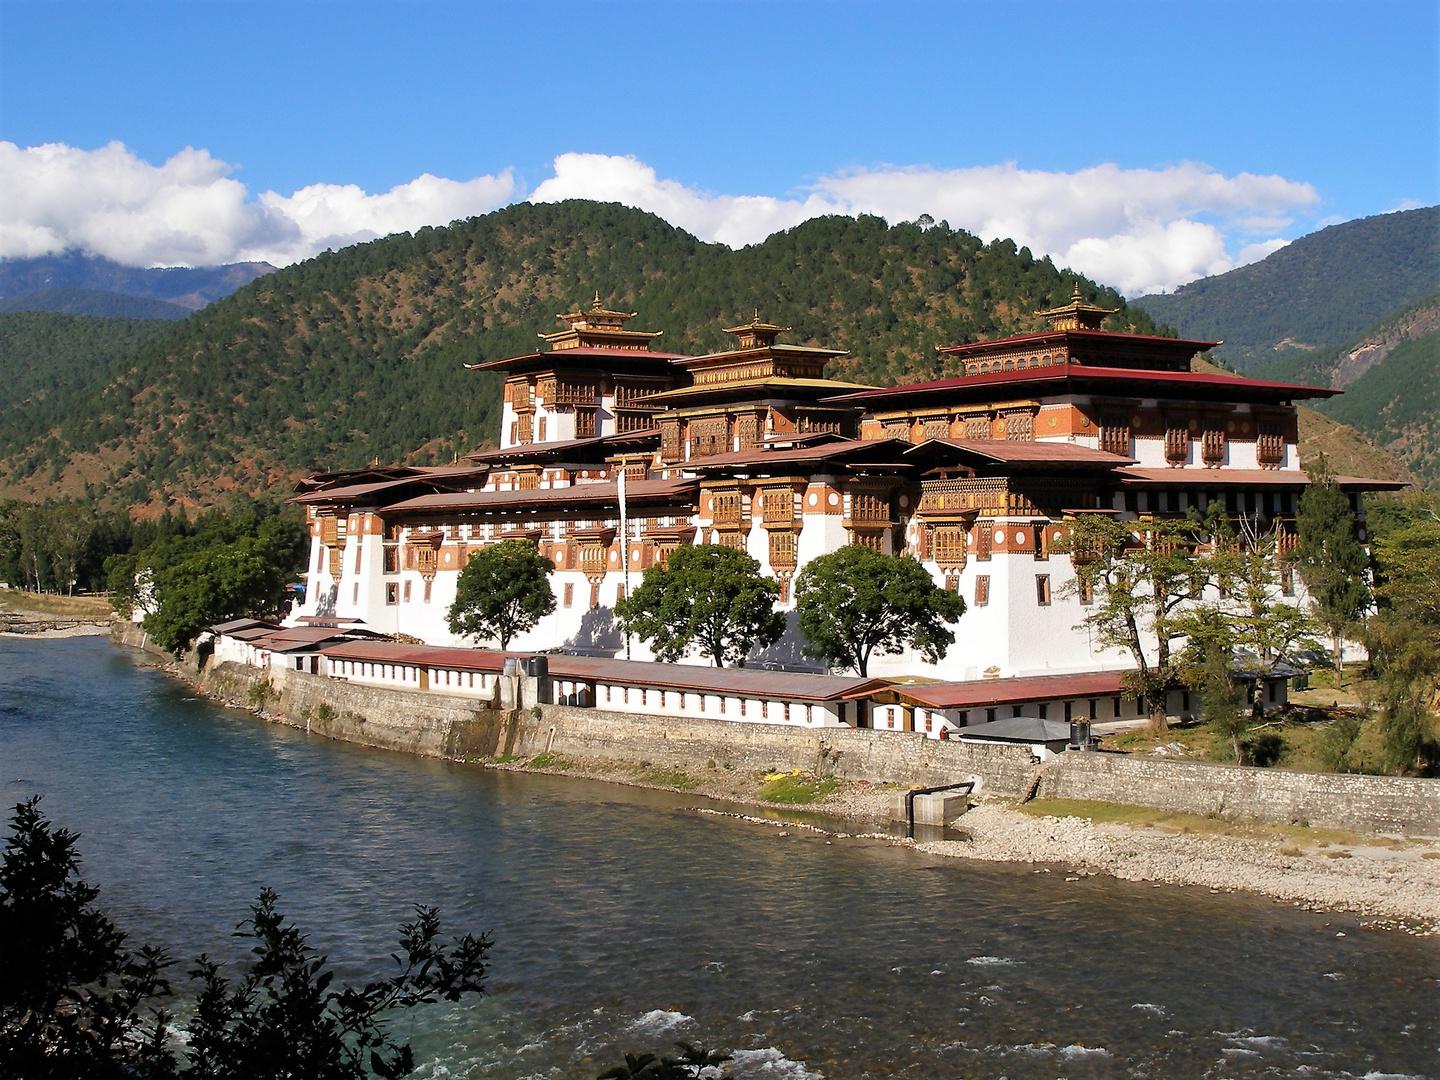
x: 1353, y: 843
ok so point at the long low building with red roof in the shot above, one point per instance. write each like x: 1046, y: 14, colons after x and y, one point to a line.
x: 975, y: 475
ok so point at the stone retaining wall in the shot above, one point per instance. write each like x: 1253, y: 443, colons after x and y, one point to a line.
x: 1384, y: 804
x: 443, y: 726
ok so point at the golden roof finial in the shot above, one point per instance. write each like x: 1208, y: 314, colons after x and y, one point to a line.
x: 596, y: 305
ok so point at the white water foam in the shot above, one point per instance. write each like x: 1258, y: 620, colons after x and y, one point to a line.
x: 659, y: 1022
x: 992, y: 961
x: 769, y: 1064
x: 1153, y: 1010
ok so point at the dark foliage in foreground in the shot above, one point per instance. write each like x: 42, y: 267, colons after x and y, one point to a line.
x: 75, y: 1002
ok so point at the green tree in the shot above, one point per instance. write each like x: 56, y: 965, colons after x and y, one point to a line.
x: 226, y: 581
x: 711, y: 599
x: 1207, y: 667
x: 1331, y: 560
x: 1248, y: 568
x: 855, y: 603
x: 503, y: 590
x: 75, y: 1003
x: 1140, y: 576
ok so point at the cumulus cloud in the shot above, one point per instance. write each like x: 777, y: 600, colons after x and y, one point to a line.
x: 190, y: 211
x: 1140, y: 230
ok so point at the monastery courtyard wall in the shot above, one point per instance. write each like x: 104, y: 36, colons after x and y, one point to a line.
x: 442, y: 726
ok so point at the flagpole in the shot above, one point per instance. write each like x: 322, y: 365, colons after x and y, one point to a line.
x: 624, y: 545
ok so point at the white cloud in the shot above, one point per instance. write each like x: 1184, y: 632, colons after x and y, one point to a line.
x: 1139, y: 230
x: 191, y: 212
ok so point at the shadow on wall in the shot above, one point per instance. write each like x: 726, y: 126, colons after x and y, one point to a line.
x: 598, y: 635
x: 787, y: 652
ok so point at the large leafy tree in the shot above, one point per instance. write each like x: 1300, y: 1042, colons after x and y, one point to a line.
x: 708, y: 599
x: 1139, y: 576
x: 1403, y: 637
x: 205, y: 580
x: 1331, y: 560
x: 74, y: 1002
x: 855, y: 603
x: 503, y: 590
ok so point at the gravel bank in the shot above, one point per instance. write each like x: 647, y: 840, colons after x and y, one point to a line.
x: 1394, y: 883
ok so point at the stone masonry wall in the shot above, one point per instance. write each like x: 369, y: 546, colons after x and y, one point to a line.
x: 1385, y: 804
x: 442, y: 726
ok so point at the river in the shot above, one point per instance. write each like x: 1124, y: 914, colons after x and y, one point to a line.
x: 622, y: 920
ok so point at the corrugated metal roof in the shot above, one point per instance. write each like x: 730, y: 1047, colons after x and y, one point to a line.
x: 830, y: 451
x: 1007, y: 451
x: 1029, y: 729
x: 980, y: 693
x: 575, y: 494
x: 1062, y: 373
x: 742, y: 682
x: 1216, y: 478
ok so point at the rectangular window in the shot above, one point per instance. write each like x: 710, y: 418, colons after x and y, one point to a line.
x: 1117, y: 706
x: 355, y: 594
x: 407, y: 592
x: 786, y: 707
x: 542, y: 429
x: 390, y: 559
x: 1086, y: 590
x: 1094, y: 709
x: 1044, y: 708
x: 764, y: 710
x: 619, y: 593
x: 990, y: 715
x: 428, y: 583
x: 982, y: 590
x: 595, y: 594
x: 607, y: 691
x: 392, y: 592
x: 569, y: 593
x: 1042, y: 589
x: 359, y: 552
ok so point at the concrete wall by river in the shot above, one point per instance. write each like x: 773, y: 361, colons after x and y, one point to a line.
x: 454, y: 728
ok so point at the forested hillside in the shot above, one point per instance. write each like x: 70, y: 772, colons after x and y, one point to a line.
x: 68, y: 300
x: 1321, y: 290
x: 357, y: 355
x: 1391, y: 378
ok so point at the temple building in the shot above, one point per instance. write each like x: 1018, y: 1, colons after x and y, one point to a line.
x: 756, y: 448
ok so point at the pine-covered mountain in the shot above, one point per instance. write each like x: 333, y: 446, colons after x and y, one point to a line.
x: 69, y: 300
x: 1316, y: 293
x: 358, y: 354
x: 1391, y: 378
x: 187, y: 287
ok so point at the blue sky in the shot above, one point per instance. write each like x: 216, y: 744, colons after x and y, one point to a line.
x: 886, y: 107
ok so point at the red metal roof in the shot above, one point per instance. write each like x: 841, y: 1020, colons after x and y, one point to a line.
x: 828, y: 451
x: 560, y: 357
x: 1063, y: 373
x: 573, y: 495
x: 981, y: 693
x: 1009, y: 451
x: 741, y: 682
x: 1216, y: 478
x: 1100, y: 336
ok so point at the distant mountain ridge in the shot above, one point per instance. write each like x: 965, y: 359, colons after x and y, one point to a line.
x: 69, y: 300
x: 1315, y: 293
x: 188, y: 287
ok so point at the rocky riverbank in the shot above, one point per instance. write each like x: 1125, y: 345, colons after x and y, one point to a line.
x: 36, y: 624
x: 1388, y: 882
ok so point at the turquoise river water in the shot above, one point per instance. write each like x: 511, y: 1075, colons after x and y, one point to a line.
x: 622, y: 920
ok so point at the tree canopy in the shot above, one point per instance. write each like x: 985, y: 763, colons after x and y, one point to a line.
x: 1330, y: 558
x: 502, y: 591
x: 76, y: 1002
x: 708, y: 599
x: 855, y: 603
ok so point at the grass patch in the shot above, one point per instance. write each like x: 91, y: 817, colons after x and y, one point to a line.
x: 670, y: 778
x: 76, y: 607
x: 796, y: 789
x: 548, y: 760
